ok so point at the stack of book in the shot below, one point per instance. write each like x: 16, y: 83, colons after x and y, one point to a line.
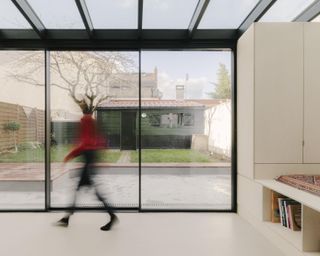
x: 285, y: 211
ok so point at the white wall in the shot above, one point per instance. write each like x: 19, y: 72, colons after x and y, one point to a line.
x: 218, y: 128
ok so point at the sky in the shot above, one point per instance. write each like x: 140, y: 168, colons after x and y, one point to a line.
x: 173, y: 66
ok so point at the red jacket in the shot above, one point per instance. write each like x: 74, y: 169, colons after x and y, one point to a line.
x: 89, y: 138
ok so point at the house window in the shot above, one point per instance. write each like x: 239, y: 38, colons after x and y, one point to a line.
x: 171, y: 120
x: 187, y: 119
x: 154, y: 119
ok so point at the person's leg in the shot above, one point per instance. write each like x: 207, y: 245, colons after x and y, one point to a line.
x: 84, y: 180
x: 65, y: 220
x: 107, y: 207
x: 109, y: 210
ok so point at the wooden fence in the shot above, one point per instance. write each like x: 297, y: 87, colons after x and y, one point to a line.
x: 31, y: 122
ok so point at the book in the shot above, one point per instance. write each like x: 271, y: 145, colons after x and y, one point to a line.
x: 295, y: 216
x: 290, y: 217
x: 282, y: 212
x: 286, y: 204
x: 275, y: 212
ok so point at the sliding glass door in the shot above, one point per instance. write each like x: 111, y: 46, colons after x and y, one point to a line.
x: 108, y: 83
x: 186, y: 130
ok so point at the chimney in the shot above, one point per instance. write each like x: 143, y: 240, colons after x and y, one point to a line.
x: 180, y: 92
x: 155, y: 73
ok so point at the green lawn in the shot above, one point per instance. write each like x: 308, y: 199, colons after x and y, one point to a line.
x: 171, y: 156
x: 57, y: 155
x: 111, y: 156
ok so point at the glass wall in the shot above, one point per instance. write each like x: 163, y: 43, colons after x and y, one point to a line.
x: 106, y: 83
x: 186, y: 130
x: 22, y: 130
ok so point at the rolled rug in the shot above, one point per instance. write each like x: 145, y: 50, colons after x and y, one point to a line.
x: 309, y: 183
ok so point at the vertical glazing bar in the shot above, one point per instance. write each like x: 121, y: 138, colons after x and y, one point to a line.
x: 47, y: 131
x: 234, y: 130
x: 139, y: 129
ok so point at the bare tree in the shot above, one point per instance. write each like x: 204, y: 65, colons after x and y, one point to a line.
x: 209, y: 118
x: 13, y: 127
x: 84, y: 75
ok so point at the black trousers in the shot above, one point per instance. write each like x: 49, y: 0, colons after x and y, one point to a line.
x: 86, y: 180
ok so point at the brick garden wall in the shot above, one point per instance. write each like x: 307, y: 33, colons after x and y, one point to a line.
x: 31, y: 122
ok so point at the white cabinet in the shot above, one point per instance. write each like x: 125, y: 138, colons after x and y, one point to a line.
x: 278, y: 95
x: 312, y: 93
x: 278, y: 132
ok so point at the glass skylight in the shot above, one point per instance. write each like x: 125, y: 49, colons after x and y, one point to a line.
x: 157, y: 14
x: 58, y: 14
x: 113, y: 14
x: 10, y: 17
x: 285, y: 10
x: 168, y: 14
x: 226, y: 14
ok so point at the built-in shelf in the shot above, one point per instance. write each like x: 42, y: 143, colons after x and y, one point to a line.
x: 301, y: 196
x: 307, y: 241
x: 293, y: 237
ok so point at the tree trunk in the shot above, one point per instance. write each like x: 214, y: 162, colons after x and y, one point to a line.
x: 15, y: 142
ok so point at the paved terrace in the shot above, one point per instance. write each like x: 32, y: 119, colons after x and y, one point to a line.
x: 164, y: 186
x: 35, y: 171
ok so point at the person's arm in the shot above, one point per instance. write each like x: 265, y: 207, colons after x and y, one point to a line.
x: 73, y: 153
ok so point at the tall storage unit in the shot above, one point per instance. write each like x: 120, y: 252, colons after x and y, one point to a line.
x: 312, y: 93
x: 278, y: 104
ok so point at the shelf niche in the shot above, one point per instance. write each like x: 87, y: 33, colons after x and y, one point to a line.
x: 306, y: 240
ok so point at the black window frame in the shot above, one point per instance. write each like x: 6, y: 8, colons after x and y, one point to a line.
x: 173, y: 45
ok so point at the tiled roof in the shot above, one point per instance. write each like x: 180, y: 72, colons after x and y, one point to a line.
x: 208, y: 102
x: 150, y: 103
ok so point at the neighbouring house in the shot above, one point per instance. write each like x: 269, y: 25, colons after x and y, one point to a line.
x: 164, y: 123
x: 65, y: 121
x: 126, y: 85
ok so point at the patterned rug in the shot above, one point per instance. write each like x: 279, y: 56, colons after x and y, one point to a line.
x: 309, y: 183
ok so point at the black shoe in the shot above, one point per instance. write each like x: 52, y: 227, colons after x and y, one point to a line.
x: 114, y: 219
x: 64, y: 222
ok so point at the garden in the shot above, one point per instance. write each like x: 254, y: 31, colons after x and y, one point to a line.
x: 31, y: 153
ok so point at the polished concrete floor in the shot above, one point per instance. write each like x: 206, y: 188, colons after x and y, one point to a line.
x: 150, y: 234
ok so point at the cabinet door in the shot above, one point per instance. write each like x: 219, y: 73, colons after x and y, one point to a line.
x: 245, y: 106
x: 278, y: 92
x: 312, y: 93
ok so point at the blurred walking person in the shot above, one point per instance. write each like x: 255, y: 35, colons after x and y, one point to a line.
x: 89, y: 143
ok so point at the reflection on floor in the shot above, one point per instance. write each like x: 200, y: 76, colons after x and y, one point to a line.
x: 143, y: 234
